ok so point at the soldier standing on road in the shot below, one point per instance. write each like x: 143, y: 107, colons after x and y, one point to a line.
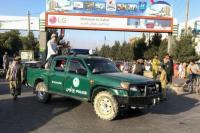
x: 5, y: 62
x: 163, y: 80
x: 168, y: 68
x: 139, y: 67
x: 155, y: 65
x: 14, y: 75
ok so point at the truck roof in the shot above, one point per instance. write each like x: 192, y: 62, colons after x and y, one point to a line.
x: 81, y: 56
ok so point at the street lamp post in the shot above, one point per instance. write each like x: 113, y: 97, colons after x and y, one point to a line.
x: 187, y: 15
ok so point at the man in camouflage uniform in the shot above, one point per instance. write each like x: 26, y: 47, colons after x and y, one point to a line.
x: 14, y: 75
x: 5, y: 62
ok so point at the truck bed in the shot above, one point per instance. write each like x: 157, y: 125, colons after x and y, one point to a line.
x: 35, y: 73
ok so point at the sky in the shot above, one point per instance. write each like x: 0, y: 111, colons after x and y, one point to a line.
x: 91, y: 39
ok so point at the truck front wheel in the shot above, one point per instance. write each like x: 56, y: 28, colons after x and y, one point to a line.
x: 42, y: 96
x: 105, y: 106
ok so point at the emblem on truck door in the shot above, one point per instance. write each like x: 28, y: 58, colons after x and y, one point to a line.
x: 76, y: 82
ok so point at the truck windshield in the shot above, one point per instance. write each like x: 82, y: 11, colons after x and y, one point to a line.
x: 98, y: 66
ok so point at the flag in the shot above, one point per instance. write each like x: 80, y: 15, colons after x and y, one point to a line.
x: 151, y: 1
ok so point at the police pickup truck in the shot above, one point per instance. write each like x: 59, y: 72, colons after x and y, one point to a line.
x: 96, y: 80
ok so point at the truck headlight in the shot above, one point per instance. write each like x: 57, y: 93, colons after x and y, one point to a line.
x: 125, y: 85
x: 158, y: 87
x: 134, y: 89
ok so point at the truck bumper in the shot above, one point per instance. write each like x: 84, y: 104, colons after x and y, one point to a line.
x: 142, y: 101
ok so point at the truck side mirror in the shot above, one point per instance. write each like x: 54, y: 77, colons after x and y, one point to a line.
x: 81, y: 71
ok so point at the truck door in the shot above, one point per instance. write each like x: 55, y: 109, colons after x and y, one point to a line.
x: 57, y: 75
x: 76, y: 81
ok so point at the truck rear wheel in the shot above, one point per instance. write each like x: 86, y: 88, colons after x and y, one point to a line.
x: 42, y: 96
x: 105, y: 106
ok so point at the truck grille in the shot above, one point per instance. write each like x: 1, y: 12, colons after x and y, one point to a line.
x: 151, y: 90
x: 147, y: 90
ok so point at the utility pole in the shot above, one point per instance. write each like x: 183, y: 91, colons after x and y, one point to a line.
x: 187, y: 15
x: 29, y: 29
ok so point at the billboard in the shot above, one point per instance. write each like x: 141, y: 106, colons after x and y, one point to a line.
x: 122, y: 15
x: 18, y: 23
x: 109, y: 22
x: 114, y: 7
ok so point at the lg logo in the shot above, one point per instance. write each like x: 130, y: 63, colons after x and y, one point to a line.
x: 54, y: 19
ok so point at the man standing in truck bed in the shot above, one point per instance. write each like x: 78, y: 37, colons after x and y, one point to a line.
x: 52, y: 49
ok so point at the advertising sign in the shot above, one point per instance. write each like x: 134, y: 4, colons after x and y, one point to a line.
x: 114, y: 7
x: 18, y: 23
x: 123, y: 15
x: 109, y: 22
x: 27, y: 55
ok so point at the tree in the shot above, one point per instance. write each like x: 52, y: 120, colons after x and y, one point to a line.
x: 184, y: 49
x: 126, y: 52
x: 11, y: 41
x: 105, y: 51
x: 154, y: 46
x: 29, y: 42
x: 162, y: 51
x: 139, y: 47
x: 115, y: 51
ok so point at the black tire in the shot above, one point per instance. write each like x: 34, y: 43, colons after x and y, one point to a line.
x: 42, y: 96
x: 106, y: 106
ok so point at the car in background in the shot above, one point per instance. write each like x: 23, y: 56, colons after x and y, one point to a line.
x: 79, y: 51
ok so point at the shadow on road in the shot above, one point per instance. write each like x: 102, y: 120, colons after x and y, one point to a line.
x: 175, y: 104
x: 4, y: 88
x: 130, y: 113
x: 26, y: 114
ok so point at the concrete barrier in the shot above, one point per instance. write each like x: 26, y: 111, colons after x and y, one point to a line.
x: 177, y: 88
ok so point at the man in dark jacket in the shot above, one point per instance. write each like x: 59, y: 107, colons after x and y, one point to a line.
x: 168, y: 65
x: 139, y: 67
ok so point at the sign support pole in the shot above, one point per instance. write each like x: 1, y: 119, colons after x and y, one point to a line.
x: 169, y: 43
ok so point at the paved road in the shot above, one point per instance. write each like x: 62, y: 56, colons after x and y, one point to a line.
x: 180, y: 114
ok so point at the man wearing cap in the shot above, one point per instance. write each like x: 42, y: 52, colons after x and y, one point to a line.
x: 52, y: 48
x: 15, y: 75
x: 5, y: 62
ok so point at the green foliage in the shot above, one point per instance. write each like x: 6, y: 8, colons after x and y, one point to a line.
x: 184, y: 49
x: 105, y: 51
x: 162, y: 51
x: 139, y: 47
x: 29, y: 42
x: 153, y: 48
x: 12, y: 42
x: 115, y: 51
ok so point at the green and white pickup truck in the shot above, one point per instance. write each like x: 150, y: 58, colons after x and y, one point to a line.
x: 96, y: 80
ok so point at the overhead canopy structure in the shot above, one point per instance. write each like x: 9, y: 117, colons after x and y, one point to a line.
x: 116, y: 15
